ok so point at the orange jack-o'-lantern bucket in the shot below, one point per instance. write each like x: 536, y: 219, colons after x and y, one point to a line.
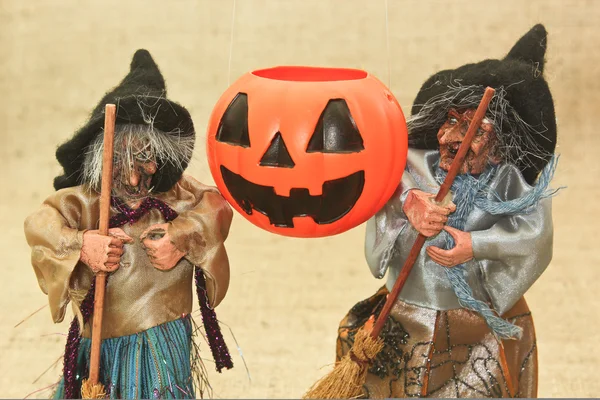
x: 305, y: 151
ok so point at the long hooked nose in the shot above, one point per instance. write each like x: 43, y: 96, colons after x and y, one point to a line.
x: 134, y: 177
x: 452, y: 134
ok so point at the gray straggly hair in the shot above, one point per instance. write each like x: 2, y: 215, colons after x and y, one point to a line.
x: 518, y: 141
x: 161, y: 147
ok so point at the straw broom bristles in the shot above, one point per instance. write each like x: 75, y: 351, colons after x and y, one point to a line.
x: 90, y: 390
x: 348, y: 375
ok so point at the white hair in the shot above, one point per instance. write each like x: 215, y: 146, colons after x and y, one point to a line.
x: 518, y: 141
x: 162, y: 148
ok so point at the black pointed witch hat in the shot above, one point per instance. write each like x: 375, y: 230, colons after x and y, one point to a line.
x: 520, y: 74
x: 140, y: 99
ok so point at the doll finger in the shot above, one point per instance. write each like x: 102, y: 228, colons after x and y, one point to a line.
x: 120, y: 235
x: 448, y: 207
x: 146, y: 232
x: 439, y: 210
x: 149, y: 245
x: 107, y: 250
x: 115, y: 251
x: 421, y: 196
x: 446, y: 254
x: 109, y: 267
x: 434, y: 225
x: 158, y: 265
x: 443, y: 262
x: 152, y: 228
x: 440, y: 260
x: 451, y: 207
x: 435, y: 229
x: 433, y: 217
x: 431, y: 251
x: 115, y: 242
x: 113, y: 259
x: 455, y: 233
x: 449, y: 254
x: 118, y: 231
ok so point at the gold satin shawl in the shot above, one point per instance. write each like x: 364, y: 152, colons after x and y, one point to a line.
x: 138, y: 296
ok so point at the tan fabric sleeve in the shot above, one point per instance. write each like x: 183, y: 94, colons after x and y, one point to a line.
x: 200, y: 232
x: 55, y: 236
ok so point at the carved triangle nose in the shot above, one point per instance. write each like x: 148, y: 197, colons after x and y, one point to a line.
x: 277, y: 154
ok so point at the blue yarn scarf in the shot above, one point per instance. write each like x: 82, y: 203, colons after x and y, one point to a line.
x: 470, y: 192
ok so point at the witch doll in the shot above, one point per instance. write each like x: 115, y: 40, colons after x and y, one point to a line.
x: 461, y: 326
x: 166, y: 229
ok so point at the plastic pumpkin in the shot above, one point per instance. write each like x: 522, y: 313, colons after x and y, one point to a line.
x: 306, y: 151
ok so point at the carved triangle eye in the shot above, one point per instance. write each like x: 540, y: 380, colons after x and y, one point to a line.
x: 336, y: 131
x: 277, y: 155
x: 233, y: 128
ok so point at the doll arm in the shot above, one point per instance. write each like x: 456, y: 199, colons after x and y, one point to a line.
x: 513, y: 253
x: 55, y: 251
x: 200, y: 233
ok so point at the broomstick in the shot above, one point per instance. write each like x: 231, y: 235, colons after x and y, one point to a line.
x: 91, y: 388
x: 349, y: 374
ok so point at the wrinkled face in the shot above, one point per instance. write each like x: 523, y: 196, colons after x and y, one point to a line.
x: 483, y: 147
x: 132, y: 175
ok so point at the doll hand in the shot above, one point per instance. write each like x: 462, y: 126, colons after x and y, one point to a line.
x: 427, y: 217
x: 103, y: 253
x: 162, y: 253
x: 459, y: 254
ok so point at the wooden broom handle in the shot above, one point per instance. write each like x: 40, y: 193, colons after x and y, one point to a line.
x: 444, y: 190
x: 106, y: 189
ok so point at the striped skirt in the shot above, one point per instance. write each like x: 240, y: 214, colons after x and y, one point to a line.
x: 147, y: 365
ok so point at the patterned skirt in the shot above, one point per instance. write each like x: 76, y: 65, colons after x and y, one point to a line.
x: 448, y: 354
x: 147, y: 365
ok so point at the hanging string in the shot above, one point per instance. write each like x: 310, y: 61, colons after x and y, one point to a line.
x: 387, y: 43
x: 231, y: 44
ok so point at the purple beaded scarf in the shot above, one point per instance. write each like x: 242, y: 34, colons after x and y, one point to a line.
x: 72, y: 382
x: 216, y: 342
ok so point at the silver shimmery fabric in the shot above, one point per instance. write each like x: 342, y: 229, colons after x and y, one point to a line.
x: 510, y: 252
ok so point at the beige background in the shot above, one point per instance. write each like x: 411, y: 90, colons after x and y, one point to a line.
x: 288, y: 295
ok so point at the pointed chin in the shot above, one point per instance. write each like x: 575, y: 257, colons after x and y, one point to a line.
x: 445, y: 163
x: 446, y: 158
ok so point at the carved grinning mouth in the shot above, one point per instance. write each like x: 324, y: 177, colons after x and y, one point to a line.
x: 337, y: 199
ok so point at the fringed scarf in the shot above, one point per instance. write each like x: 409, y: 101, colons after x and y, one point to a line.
x: 72, y: 382
x: 470, y: 192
